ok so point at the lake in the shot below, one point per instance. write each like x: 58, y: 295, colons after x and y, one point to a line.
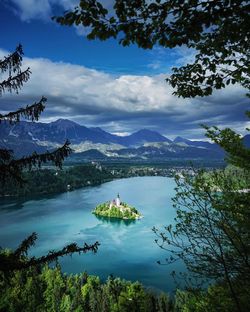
x: 127, y: 249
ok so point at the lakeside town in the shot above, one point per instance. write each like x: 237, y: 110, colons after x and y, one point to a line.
x: 74, y: 176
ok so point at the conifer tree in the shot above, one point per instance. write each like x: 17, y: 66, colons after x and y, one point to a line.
x: 11, y: 168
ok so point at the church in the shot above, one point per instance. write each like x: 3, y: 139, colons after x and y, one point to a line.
x: 115, y: 202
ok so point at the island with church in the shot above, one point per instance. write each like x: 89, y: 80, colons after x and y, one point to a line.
x: 117, y: 209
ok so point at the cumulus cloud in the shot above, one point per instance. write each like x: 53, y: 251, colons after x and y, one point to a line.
x: 123, y: 103
x: 28, y: 10
x: 32, y: 9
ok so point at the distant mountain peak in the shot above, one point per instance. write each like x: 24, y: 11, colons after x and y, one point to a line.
x: 146, y: 131
x: 180, y: 139
x: 64, y: 122
x: 26, y: 137
x: 143, y: 136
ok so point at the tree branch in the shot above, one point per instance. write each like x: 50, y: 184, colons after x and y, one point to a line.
x: 29, y: 112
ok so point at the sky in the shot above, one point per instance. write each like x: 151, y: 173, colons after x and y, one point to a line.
x: 103, y: 84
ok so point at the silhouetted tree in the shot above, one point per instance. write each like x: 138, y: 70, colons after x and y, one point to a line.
x: 18, y: 260
x: 218, y: 31
x: 11, y: 168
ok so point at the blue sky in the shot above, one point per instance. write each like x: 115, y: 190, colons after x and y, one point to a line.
x: 42, y: 37
x: 103, y: 84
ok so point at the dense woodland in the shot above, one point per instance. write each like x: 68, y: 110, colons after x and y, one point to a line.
x: 50, y: 181
x: 50, y: 290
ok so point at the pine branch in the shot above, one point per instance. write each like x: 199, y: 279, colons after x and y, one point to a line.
x: 35, y: 160
x: 29, y: 112
x: 25, y: 245
x: 13, y: 169
x: 15, y: 82
x: 17, y: 260
x: 12, y: 62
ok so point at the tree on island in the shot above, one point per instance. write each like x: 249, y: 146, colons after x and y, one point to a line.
x: 117, y: 209
x: 11, y: 168
x: 212, y: 238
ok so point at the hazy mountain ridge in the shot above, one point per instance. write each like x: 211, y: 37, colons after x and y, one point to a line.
x: 26, y: 137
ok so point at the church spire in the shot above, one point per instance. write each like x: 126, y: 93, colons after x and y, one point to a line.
x: 118, y: 202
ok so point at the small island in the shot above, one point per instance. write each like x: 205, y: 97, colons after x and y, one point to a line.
x: 117, y: 209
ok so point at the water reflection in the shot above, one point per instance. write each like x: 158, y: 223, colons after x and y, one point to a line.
x: 12, y: 203
x: 8, y: 205
x: 115, y: 221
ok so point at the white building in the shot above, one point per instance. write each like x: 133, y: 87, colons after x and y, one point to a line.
x: 118, y: 201
x: 115, y: 202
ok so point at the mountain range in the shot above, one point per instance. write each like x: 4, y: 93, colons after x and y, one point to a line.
x: 95, y: 143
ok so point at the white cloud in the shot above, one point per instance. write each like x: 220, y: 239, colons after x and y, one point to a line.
x: 124, y: 103
x: 183, y: 55
x: 43, y: 9
x: 122, y: 134
x: 83, y: 86
x: 32, y: 9
x: 28, y: 10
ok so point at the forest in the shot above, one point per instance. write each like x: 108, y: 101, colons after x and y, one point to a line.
x: 48, y: 289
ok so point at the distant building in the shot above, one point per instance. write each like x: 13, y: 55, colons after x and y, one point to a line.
x: 115, y: 202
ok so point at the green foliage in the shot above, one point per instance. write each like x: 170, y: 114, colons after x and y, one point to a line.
x: 11, y: 169
x: 212, y: 226
x: 122, y: 212
x: 48, y: 289
x: 237, y: 153
x: 216, y: 298
x: 50, y: 181
x: 218, y: 31
x: 211, y: 234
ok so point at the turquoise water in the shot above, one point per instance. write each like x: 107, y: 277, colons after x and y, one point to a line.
x: 127, y: 249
